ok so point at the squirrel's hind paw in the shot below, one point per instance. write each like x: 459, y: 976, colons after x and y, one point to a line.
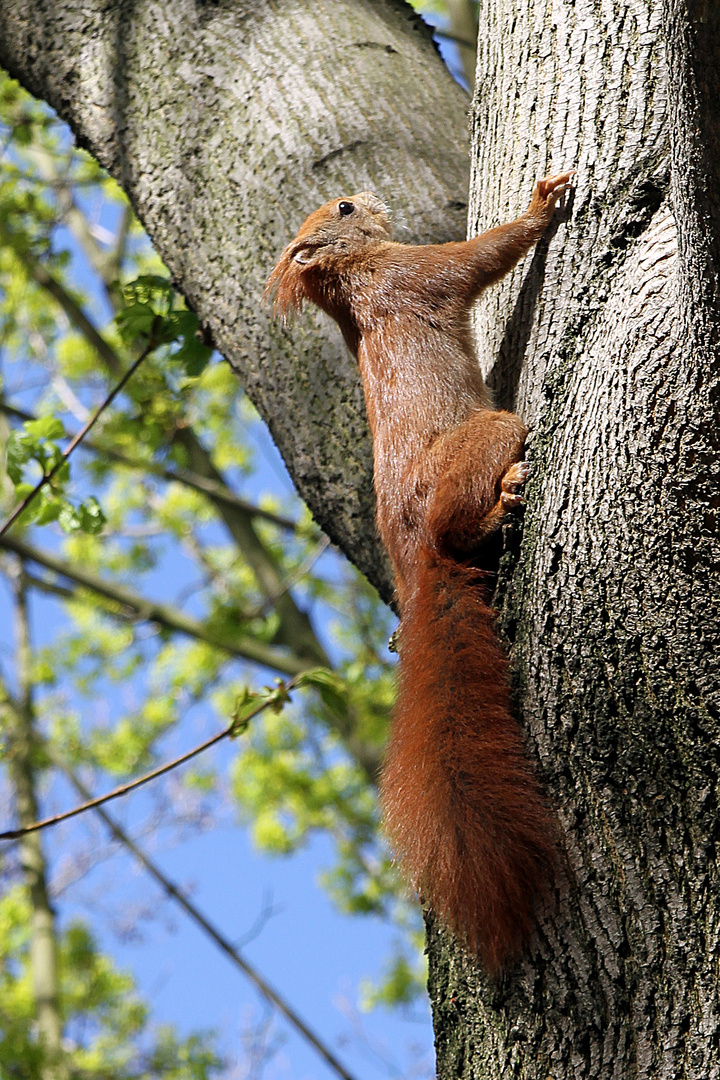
x: 512, y: 484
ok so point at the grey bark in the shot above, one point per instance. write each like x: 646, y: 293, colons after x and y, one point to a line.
x: 606, y: 340
x: 226, y: 123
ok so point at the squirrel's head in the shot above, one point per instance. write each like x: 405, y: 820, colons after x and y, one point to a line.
x: 338, y: 228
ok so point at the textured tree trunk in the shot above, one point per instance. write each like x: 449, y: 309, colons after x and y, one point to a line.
x: 226, y: 123
x: 606, y: 341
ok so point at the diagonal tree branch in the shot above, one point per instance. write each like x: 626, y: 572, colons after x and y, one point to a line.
x: 99, y: 69
x: 161, y: 614
x: 78, y: 439
x: 216, y: 491
x: 365, y: 754
x: 295, y: 627
x: 181, y: 898
x: 173, y: 891
x: 42, y: 276
x: 235, y: 727
x: 103, y: 262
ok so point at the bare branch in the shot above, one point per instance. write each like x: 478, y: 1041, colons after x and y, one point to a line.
x: 235, y: 727
x: 78, y: 438
x: 216, y: 491
x: 298, y: 574
x: 230, y: 950
x: 74, y: 312
x: 161, y: 614
x: 295, y: 626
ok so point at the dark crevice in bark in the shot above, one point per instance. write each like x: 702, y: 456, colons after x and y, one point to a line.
x: 632, y: 211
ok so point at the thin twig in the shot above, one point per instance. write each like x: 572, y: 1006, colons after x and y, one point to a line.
x: 298, y: 574
x: 218, y: 493
x: 180, y: 897
x: 75, y: 313
x: 78, y: 438
x: 245, y: 646
x: 232, y: 729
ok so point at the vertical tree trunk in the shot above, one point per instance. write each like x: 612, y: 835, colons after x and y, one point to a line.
x: 606, y: 342
x: 225, y: 122
x: 23, y: 750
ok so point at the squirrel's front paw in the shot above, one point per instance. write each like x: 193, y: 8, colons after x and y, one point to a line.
x: 512, y: 484
x: 552, y: 188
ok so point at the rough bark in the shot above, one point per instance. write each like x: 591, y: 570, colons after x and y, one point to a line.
x: 226, y: 123
x: 606, y: 340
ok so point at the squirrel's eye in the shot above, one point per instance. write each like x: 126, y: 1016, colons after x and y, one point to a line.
x: 346, y: 208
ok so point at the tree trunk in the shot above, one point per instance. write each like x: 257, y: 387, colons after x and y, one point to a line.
x: 22, y: 760
x: 606, y: 342
x: 226, y: 123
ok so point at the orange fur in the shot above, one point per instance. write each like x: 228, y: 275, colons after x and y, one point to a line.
x: 460, y: 799
x: 462, y: 806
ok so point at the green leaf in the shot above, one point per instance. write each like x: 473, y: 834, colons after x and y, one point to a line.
x: 147, y: 288
x: 61, y: 477
x: 34, y: 442
x: 88, y: 517
x: 23, y: 134
x: 194, y: 355
x: 169, y: 327
x: 244, y: 705
x: 92, y: 519
x: 47, y: 510
x: 47, y: 427
x: 18, y: 450
x: 49, y: 455
x: 185, y: 323
x: 68, y: 519
x: 331, y: 688
x: 135, y: 321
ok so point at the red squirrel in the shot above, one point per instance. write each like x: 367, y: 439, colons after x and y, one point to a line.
x: 462, y: 807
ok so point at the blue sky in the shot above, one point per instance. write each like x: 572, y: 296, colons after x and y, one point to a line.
x: 314, y: 955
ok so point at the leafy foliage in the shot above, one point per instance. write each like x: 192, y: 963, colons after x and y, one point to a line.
x: 157, y: 502
x: 108, y: 1030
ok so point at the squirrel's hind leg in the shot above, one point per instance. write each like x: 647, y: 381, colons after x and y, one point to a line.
x: 479, y: 480
x: 511, y: 499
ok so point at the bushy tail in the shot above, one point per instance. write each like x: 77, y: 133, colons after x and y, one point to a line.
x: 462, y: 806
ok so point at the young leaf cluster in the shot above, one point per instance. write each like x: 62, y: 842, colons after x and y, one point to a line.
x: 108, y: 1030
